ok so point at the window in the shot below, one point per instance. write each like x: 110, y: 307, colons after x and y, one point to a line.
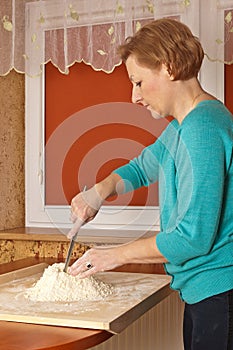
x: 121, y: 217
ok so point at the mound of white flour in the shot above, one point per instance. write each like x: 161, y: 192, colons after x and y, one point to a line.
x: 56, y: 285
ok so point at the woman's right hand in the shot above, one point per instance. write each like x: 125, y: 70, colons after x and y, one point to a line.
x: 84, y: 207
x: 86, y: 204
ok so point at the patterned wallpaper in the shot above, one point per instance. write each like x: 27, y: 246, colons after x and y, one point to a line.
x: 12, y: 150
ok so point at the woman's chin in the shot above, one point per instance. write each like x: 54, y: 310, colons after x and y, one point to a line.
x: 155, y: 115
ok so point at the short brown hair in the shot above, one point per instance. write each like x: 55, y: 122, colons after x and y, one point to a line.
x: 166, y: 41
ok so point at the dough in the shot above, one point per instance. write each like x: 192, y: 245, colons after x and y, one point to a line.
x: 56, y: 285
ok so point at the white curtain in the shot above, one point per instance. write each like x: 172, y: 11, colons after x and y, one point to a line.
x: 68, y: 31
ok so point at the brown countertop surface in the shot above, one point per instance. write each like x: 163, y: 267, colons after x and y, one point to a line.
x: 22, y: 336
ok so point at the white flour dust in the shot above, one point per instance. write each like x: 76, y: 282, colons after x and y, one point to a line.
x: 56, y: 285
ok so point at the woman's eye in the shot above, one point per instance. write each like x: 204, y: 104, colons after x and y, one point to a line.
x: 139, y: 83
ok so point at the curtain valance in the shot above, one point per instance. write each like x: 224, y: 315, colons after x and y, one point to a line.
x: 64, y: 32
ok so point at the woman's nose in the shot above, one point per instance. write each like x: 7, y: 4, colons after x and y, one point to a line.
x: 136, y: 97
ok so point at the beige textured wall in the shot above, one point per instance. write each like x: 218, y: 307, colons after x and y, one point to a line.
x: 11, y: 250
x: 12, y: 110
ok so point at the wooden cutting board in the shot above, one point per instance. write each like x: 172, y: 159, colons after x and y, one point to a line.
x: 134, y: 294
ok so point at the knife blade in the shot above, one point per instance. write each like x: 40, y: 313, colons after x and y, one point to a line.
x: 67, y: 261
x: 71, y: 246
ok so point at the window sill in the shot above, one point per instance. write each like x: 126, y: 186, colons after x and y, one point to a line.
x: 88, y: 236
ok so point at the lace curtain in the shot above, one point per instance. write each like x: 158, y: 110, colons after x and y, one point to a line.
x: 68, y: 31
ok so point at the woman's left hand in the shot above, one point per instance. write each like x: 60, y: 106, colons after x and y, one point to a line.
x: 96, y: 260
x: 108, y: 258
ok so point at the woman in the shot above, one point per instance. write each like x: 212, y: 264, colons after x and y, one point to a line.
x: 192, y: 160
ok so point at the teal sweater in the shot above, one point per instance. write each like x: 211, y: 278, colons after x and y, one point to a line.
x: 193, y: 163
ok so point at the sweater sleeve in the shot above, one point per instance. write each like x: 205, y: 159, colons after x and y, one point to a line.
x: 141, y: 171
x: 200, y: 163
x: 144, y: 170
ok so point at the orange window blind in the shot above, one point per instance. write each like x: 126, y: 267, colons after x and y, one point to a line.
x: 91, y: 127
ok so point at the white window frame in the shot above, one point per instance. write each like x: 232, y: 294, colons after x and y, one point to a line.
x: 129, y: 221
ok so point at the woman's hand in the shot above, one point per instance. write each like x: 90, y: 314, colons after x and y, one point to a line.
x: 86, y: 205
x: 95, y: 260
x: 107, y: 258
x: 84, y: 208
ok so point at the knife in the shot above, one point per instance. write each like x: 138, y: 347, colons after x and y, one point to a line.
x: 71, y: 246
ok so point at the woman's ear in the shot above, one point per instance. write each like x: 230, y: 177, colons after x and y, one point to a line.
x: 168, y: 71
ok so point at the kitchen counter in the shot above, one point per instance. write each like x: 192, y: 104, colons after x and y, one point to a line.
x: 22, y: 336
